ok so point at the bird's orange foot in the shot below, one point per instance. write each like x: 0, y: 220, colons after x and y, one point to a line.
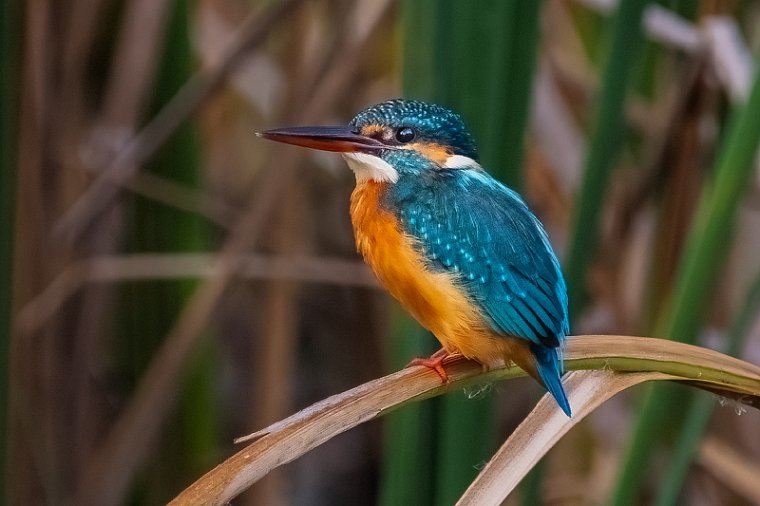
x: 434, y: 362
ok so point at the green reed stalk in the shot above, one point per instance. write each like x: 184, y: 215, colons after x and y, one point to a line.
x: 149, y: 308
x: 10, y: 16
x: 707, y: 246
x: 608, y: 131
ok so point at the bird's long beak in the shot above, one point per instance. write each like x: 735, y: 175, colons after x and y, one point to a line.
x: 340, y: 139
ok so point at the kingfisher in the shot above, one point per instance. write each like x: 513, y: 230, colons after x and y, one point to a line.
x: 461, y: 252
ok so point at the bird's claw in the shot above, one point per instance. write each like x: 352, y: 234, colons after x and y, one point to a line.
x: 434, y: 362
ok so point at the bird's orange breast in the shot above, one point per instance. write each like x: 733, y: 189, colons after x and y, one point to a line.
x: 434, y: 298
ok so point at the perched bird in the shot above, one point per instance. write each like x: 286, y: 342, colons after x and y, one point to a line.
x: 459, y: 250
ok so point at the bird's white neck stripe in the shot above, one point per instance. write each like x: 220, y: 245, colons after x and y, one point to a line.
x: 369, y: 167
x: 461, y: 161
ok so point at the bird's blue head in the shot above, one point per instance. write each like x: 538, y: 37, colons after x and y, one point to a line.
x: 416, y: 125
x: 392, y: 139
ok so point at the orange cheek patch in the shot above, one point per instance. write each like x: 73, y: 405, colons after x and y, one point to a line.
x: 436, y: 152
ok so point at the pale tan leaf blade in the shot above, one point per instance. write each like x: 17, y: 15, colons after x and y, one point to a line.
x: 542, y: 428
x: 635, y: 357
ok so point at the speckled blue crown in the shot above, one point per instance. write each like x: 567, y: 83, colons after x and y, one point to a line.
x: 432, y: 122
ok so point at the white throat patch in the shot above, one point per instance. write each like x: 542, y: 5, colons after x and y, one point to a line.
x: 368, y: 167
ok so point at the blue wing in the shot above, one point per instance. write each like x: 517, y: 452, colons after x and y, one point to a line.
x: 467, y: 222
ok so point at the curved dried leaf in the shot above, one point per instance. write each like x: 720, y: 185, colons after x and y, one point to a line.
x: 290, y: 438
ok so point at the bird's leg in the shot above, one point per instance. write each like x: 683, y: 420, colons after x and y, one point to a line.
x: 434, y: 362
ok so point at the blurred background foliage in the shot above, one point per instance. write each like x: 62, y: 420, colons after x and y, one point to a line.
x: 170, y: 282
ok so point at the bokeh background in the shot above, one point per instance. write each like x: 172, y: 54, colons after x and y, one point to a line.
x: 169, y: 282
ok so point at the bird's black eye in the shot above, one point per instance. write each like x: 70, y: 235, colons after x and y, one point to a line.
x: 405, y: 134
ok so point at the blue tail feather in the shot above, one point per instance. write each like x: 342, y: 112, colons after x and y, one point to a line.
x: 549, y: 370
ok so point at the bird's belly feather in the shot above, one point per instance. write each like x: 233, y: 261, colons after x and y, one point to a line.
x: 434, y: 298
